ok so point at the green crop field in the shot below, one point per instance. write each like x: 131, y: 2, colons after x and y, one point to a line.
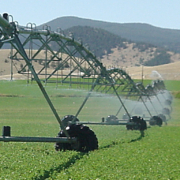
x: 122, y: 154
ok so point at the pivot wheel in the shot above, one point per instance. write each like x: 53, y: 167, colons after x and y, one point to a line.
x: 69, y: 119
x: 155, y: 120
x: 86, y: 139
x: 112, y: 119
x: 163, y: 117
x: 136, y: 123
x: 168, y: 102
x: 166, y: 111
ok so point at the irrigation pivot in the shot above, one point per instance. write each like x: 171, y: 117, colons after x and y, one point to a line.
x: 73, y: 64
x: 9, y: 34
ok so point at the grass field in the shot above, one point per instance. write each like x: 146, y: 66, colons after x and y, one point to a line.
x: 122, y: 154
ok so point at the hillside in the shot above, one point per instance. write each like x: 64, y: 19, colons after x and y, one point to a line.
x: 117, y: 51
x: 138, y: 32
x: 97, y: 40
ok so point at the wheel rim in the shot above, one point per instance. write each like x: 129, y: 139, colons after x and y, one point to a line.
x: 139, y: 124
x: 86, y: 139
x: 156, y: 120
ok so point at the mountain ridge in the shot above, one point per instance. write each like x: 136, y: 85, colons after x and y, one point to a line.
x: 138, y: 32
x: 118, y: 51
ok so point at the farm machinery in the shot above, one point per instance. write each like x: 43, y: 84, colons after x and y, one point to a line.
x: 140, y: 98
x: 155, y: 95
x: 73, y: 57
x: 77, y: 137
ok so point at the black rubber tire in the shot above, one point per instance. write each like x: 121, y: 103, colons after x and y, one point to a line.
x: 67, y: 119
x: 62, y: 146
x: 140, y: 124
x: 166, y: 111
x: 112, y: 119
x: 155, y: 120
x: 168, y: 102
x: 163, y: 117
x: 86, y: 139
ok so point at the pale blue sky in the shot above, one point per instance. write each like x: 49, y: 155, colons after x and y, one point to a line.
x: 160, y: 13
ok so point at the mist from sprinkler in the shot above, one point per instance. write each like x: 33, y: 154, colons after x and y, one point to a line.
x: 156, y: 75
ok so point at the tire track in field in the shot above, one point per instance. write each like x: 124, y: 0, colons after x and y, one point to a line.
x: 142, y: 135
x: 61, y: 167
x: 114, y: 143
x: 75, y: 158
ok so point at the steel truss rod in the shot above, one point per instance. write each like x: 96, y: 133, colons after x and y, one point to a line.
x: 37, y: 139
x: 10, y: 30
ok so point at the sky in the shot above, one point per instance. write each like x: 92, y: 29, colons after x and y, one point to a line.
x: 159, y: 13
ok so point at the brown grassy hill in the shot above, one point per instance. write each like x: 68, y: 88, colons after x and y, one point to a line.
x: 168, y: 71
x: 7, y: 67
x: 115, y: 50
x: 130, y: 56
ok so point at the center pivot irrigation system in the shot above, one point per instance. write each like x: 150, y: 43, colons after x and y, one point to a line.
x: 74, y: 64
